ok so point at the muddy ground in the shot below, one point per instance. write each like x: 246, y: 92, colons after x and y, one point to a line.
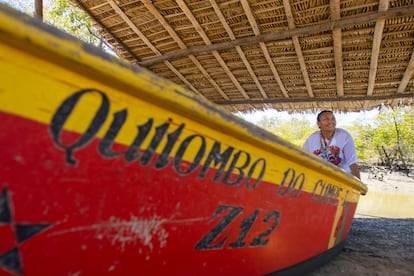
x: 377, y: 245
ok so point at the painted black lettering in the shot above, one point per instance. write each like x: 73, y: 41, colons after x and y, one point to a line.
x: 245, y: 227
x: 218, y: 158
x: 251, y: 171
x: 163, y: 158
x: 286, y: 184
x: 156, y: 140
x: 331, y: 193
x: 295, y: 191
x: 315, y: 188
x: 326, y: 193
x: 132, y: 153
x: 207, y: 241
x: 105, y: 146
x: 64, y: 111
x: 240, y: 169
x: 331, y: 190
x: 181, y: 150
x: 259, y: 240
x: 283, y: 187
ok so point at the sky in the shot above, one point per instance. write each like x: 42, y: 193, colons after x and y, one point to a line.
x: 26, y: 3
x: 342, y: 118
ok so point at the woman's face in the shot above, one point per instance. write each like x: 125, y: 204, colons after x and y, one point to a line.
x: 327, y: 122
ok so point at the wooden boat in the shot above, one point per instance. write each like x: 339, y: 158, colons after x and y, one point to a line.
x: 108, y: 169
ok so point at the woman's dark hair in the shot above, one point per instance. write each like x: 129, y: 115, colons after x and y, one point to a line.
x: 322, y: 112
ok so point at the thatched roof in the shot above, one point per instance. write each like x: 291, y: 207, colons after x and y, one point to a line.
x: 292, y: 55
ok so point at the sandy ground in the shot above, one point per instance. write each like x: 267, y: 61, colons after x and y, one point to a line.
x: 379, y: 245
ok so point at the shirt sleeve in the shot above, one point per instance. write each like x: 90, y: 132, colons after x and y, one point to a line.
x: 349, y: 150
x: 306, y: 145
x: 309, y: 143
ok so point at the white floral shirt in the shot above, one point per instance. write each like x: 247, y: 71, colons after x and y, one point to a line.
x: 340, y: 150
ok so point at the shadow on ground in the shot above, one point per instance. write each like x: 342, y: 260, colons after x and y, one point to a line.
x: 375, y: 246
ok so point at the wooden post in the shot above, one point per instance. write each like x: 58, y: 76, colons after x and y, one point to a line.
x: 39, y: 9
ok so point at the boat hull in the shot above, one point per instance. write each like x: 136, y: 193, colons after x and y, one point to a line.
x: 107, y: 168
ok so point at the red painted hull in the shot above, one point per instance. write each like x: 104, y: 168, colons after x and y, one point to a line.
x: 107, y: 215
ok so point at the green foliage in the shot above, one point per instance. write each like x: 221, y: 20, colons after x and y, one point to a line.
x: 268, y: 122
x: 296, y: 130
x: 363, y: 134
x: 72, y: 20
x: 390, y: 130
x: 63, y: 15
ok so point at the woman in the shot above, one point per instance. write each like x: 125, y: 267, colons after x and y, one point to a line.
x: 333, y: 144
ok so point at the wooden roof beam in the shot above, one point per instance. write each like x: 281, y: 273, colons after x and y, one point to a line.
x: 286, y: 34
x: 207, y: 41
x: 126, y: 19
x: 335, y: 6
x: 238, y: 48
x: 148, y: 4
x: 408, y: 74
x: 315, y: 100
x: 298, y: 49
x: 256, y: 31
x: 131, y: 24
x: 98, y: 6
x: 102, y: 26
x: 376, y: 45
x: 263, y: 47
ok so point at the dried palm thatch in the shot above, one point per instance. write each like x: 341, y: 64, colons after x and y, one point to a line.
x: 297, y: 55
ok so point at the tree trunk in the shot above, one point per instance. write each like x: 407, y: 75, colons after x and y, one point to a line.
x: 397, y: 131
x: 387, y: 158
